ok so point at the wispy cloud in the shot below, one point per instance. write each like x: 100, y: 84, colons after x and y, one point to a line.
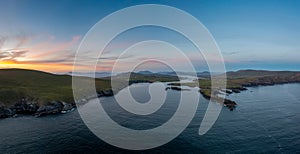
x: 25, y: 51
x: 12, y: 55
x: 50, y: 48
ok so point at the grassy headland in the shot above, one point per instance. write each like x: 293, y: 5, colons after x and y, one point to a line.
x: 240, y: 80
x: 43, y: 87
x: 41, y: 93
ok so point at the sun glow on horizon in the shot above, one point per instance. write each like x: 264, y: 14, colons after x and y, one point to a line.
x: 37, y: 53
x: 54, y: 68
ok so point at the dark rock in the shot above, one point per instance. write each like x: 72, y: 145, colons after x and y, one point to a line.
x: 52, y: 108
x: 67, y: 106
x: 138, y: 81
x: 105, y: 93
x: 6, y: 112
x: 100, y: 94
x: 226, y: 91
x: 176, y: 88
x: 236, y: 90
x: 108, y: 93
x: 24, y: 106
x: 229, y: 102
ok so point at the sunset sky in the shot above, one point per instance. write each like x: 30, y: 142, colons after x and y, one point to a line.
x: 44, y: 34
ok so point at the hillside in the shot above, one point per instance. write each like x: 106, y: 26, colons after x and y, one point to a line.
x: 258, y: 73
x: 260, y: 77
x: 36, y: 92
x: 246, y: 78
x: 239, y: 80
x: 18, y: 83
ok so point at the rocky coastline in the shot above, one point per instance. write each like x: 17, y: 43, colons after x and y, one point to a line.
x: 30, y: 107
x: 27, y: 106
x: 232, y: 104
x: 214, y: 97
x: 236, y: 85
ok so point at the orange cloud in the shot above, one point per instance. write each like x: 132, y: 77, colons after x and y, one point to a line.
x: 50, y: 66
x: 46, y: 56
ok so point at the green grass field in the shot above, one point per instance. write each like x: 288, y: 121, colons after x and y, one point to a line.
x: 42, y: 87
x: 244, y: 78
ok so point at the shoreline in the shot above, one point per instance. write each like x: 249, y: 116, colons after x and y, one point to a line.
x: 40, y: 93
x: 29, y: 107
x: 231, y: 104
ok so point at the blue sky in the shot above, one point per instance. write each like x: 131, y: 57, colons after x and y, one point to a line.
x: 256, y: 34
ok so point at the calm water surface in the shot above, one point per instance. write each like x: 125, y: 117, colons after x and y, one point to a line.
x: 267, y: 120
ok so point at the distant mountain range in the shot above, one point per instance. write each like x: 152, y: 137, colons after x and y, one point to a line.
x: 204, y: 74
x: 91, y: 74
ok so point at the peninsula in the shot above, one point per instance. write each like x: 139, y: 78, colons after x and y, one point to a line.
x: 239, y: 81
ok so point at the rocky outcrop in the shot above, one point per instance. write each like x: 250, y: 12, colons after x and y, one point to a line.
x: 54, y: 107
x: 226, y: 91
x: 6, y: 112
x: 67, y: 107
x: 51, y: 108
x: 26, y: 106
x: 227, y: 102
x: 105, y: 93
x: 138, y: 81
x: 237, y: 89
x: 174, y: 88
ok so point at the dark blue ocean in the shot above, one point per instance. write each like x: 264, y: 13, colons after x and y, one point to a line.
x: 266, y: 120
